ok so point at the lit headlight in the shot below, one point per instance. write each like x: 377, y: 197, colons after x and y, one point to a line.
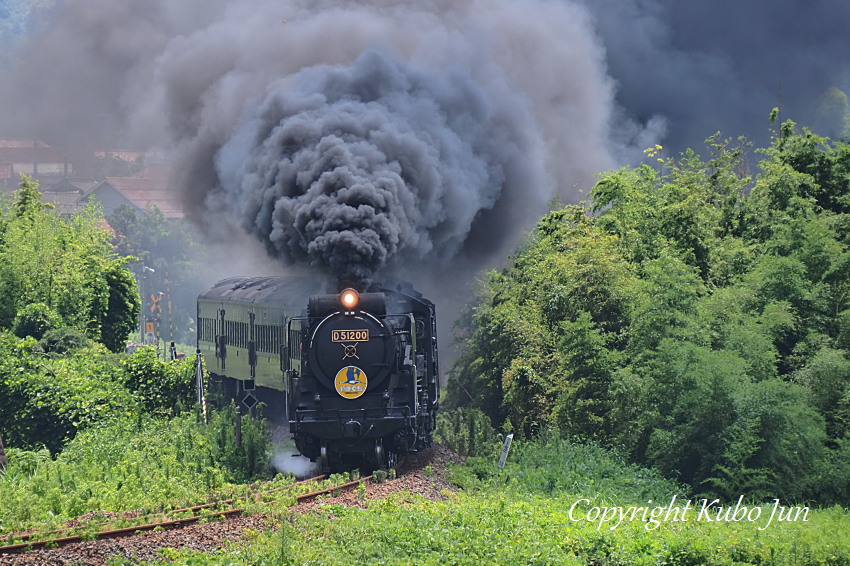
x: 349, y: 299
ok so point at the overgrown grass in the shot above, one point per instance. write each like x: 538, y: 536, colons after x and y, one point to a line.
x: 145, y: 464
x: 539, y: 509
x: 551, y: 465
x: 544, y: 507
x: 515, y: 529
x: 522, y: 515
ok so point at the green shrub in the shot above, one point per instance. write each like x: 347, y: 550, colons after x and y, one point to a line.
x: 35, y: 320
x: 45, y: 400
x: 161, y: 387
x: 63, y: 341
x: 467, y: 432
x: 248, y: 460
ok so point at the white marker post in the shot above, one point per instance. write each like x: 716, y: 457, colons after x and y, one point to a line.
x: 505, y: 449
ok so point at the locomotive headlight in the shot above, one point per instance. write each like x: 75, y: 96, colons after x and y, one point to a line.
x: 349, y: 299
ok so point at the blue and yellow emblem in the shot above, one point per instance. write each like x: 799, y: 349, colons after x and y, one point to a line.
x: 350, y: 382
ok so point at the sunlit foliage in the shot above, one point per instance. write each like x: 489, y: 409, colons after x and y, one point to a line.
x: 694, y: 312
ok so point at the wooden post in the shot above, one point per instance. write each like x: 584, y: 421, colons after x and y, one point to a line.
x: 238, y: 427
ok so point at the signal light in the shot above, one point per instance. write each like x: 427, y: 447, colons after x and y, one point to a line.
x: 349, y: 299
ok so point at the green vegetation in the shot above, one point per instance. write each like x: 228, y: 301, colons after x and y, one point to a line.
x: 535, y: 511
x: 691, y: 315
x: 58, y: 272
x: 538, y: 510
x: 69, y: 306
x: 46, y: 397
x: 44, y: 400
x: 132, y: 464
x: 86, y: 426
x: 467, y: 432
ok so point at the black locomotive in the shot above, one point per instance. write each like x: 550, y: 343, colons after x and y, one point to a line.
x: 356, y: 374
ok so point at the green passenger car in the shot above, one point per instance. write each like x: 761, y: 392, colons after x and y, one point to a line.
x: 243, y: 324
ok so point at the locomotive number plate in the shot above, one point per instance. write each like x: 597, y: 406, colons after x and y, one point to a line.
x: 350, y: 335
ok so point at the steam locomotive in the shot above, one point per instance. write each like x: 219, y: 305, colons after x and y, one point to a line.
x: 354, y: 374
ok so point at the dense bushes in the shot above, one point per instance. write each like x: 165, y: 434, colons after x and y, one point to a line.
x: 58, y: 271
x: 35, y: 320
x: 467, y: 432
x: 127, y: 463
x: 45, y: 398
x: 164, y: 387
x: 689, y: 314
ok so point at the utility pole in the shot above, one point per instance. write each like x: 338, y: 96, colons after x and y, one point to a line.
x: 142, y: 276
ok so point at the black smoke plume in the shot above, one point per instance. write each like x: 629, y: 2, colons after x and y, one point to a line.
x: 696, y: 68
x: 378, y: 163
x: 431, y: 133
x: 421, y: 141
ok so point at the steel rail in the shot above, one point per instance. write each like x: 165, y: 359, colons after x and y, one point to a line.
x: 128, y: 531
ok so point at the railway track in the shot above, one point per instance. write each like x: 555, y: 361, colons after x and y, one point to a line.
x: 207, y: 511
x: 98, y: 543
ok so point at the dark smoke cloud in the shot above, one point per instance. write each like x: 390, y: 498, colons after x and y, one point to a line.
x: 423, y: 137
x: 411, y: 136
x: 353, y: 168
x: 696, y: 68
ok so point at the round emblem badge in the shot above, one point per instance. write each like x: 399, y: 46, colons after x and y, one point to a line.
x: 350, y: 382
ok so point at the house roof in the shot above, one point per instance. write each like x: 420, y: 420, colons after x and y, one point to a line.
x: 156, y: 172
x: 72, y: 185
x: 31, y: 154
x: 122, y: 154
x: 66, y: 202
x: 149, y: 187
x: 144, y: 192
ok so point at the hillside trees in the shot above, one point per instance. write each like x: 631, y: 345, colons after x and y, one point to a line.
x: 62, y: 272
x: 170, y: 251
x: 692, y: 314
x: 69, y: 305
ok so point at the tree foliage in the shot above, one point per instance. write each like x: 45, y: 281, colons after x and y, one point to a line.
x: 166, y: 387
x: 691, y: 313
x: 57, y: 271
x: 170, y: 252
x: 44, y: 400
x: 49, y: 390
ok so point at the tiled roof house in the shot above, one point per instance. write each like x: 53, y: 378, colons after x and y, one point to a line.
x: 31, y: 157
x: 140, y: 193
x: 53, y: 168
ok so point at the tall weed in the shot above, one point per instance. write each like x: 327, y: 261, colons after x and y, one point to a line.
x: 144, y: 463
x: 550, y: 465
x: 467, y: 432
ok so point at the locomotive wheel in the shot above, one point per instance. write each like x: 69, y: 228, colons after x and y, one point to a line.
x: 379, y: 453
x: 384, y: 459
x: 323, y: 451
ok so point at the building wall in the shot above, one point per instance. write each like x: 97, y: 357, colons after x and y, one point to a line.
x: 31, y: 169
